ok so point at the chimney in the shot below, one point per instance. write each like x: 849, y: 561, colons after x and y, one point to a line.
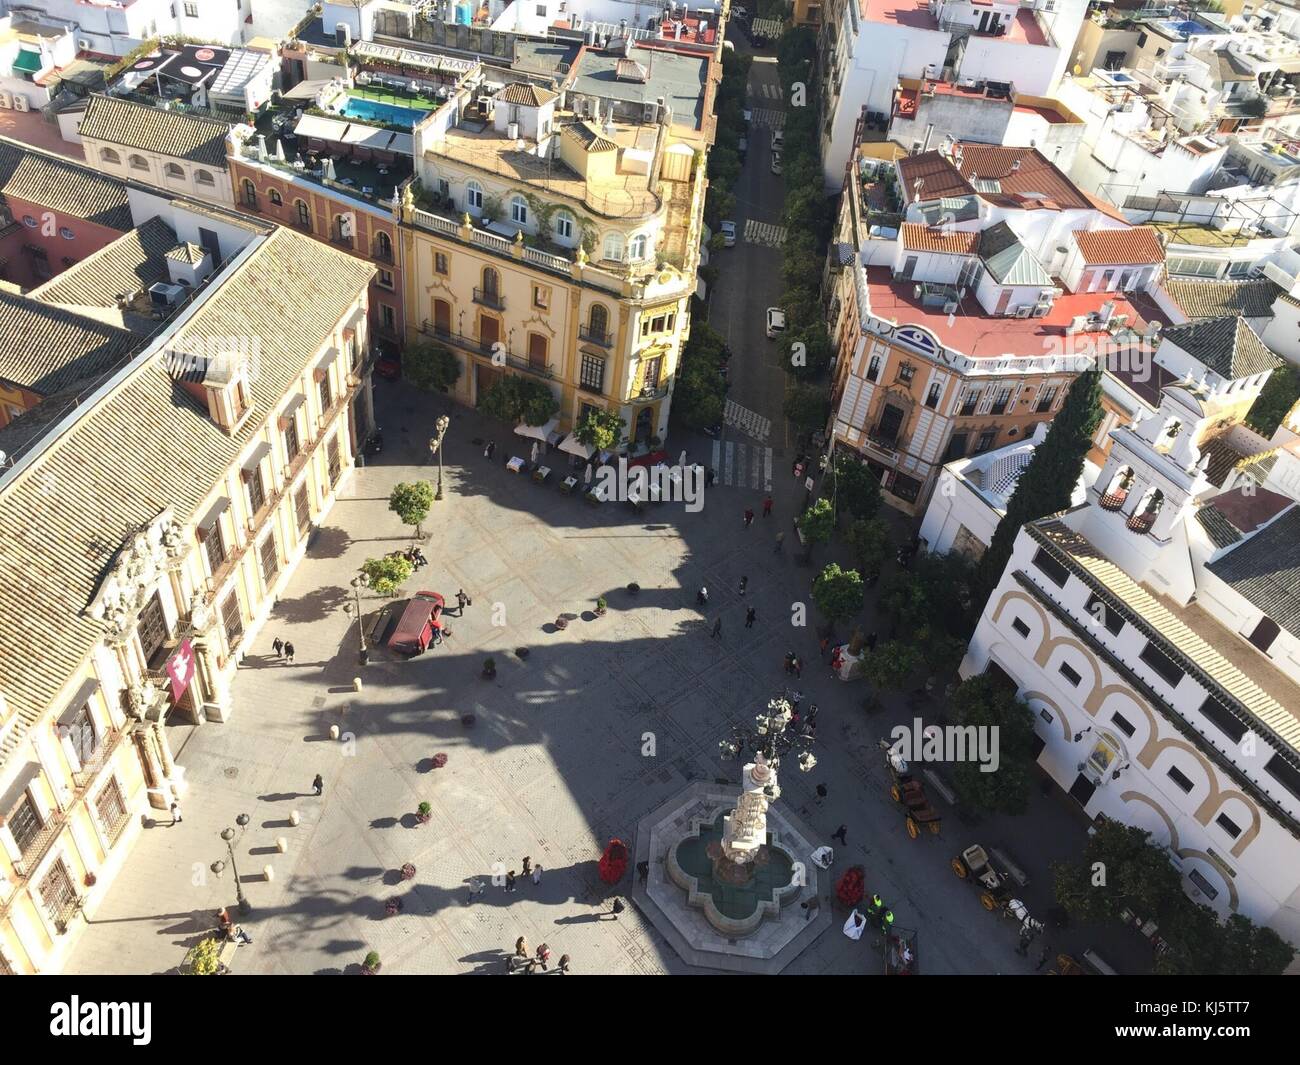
x: 929, y: 132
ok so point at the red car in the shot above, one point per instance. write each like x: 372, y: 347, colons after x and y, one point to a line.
x: 422, y: 615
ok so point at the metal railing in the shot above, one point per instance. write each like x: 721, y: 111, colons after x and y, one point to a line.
x: 495, y: 348
x: 595, y: 336
x: 490, y: 298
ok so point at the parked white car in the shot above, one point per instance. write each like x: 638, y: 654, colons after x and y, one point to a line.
x: 778, y: 140
x: 775, y: 322
x: 776, y: 162
x: 728, y: 231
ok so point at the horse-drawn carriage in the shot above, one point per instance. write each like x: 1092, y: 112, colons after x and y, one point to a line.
x: 908, y: 791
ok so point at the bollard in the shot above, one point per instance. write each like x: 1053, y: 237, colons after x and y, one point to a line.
x: 281, y: 844
x: 268, y: 872
x: 294, y: 818
x: 356, y: 684
x: 334, y: 732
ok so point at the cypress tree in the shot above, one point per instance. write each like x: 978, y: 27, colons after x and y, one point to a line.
x: 1048, y: 481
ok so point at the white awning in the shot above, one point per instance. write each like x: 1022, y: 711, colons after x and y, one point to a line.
x: 537, y: 432
x: 701, y: 289
x: 574, y: 446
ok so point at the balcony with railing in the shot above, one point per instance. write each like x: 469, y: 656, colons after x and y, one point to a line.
x: 481, y: 346
x: 595, y: 336
x: 488, y: 297
x: 91, y: 767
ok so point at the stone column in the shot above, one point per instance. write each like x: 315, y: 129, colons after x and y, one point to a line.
x: 153, y: 778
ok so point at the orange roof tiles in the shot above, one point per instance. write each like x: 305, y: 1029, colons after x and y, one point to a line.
x: 917, y: 237
x: 1134, y: 246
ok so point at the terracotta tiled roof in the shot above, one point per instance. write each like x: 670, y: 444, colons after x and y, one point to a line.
x: 1266, y: 570
x: 133, y: 125
x: 60, y: 184
x: 145, y: 446
x: 1024, y: 176
x: 1228, y: 346
x: 518, y: 92
x: 938, y: 177
x: 1133, y: 246
x: 134, y: 261
x: 917, y: 237
x: 1214, y: 299
x: 47, y: 348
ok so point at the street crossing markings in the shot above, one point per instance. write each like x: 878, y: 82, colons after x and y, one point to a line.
x: 743, y: 465
x: 749, y: 422
x: 762, y: 116
x: 772, y: 92
x: 766, y: 233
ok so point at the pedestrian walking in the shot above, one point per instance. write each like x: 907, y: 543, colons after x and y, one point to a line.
x: 702, y: 596
x: 277, y: 645
x: 462, y: 601
x: 528, y: 865
x: 750, y: 615
x: 537, y: 875
x: 749, y: 517
x: 475, y: 890
x: 642, y: 872
x: 871, y: 642
x: 709, y: 477
x: 841, y: 834
x: 563, y: 967
x: 521, y: 948
x: 1043, y: 955
x: 717, y: 628
x: 824, y: 645
x: 789, y: 661
x: 617, y: 908
x: 510, y: 881
x: 812, y: 715
x: 821, y: 794
x: 767, y: 507
x: 543, y: 956
x: 288, y: 652
x: 810, y: 907
x: 877, y: 908
x: 797, y: 666
x: 176, y: 813
x: 744, y: 583
x: 318, y: 784
x: 780, y: 539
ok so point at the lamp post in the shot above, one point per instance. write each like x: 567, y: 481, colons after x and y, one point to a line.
x: 435, y: 448
x: 218, y: 867
x: 771, y: 736
x: 361, y: 580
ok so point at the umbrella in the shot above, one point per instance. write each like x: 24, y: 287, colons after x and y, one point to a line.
x: 279, y: 154
x: 586, y: 477
x: 535, y: 448
x: 329, y: 169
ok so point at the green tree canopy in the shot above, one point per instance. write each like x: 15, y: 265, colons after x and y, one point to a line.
x: 410, y: 501
x: 387, y: 575
x: 871, y: 543
x: 818, y: 522
x: 984, y: 703
x: 857, y: 489
x: 514, y: 399
x: 430, y: 367
x: 1280, y: 394
x: 601, y: 429
x: 837, y: 592
x: 891, y: 665
x: 1047, y: 483
x: 807, y: 406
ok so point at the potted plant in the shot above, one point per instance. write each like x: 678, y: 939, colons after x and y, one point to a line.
x: 633, y: 588
x: 203, y: 959
x: 90, y: 880
x: 370, y: 967
x: 439, y: 760
x: 489, y: 668
x: 424, y: 813
x: 561, y: 622
x: 408, y: 871
x: 601, y: 607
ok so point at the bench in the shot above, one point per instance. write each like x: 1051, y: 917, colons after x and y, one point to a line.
x: 227, y: 954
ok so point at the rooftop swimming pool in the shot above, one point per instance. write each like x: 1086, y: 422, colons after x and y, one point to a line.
x: 374, y: 111
x: 1186, y: 27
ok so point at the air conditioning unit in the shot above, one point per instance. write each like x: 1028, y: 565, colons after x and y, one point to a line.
x: 20, y: 103
x: 164, y: 295
x: 648, y: 113
x: 1041, y: 309
x: 1024, y: 312
x: 85, y: 45
x: 6, y: 101
x: 950, y: 307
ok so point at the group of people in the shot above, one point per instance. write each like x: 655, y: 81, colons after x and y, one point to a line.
x: 524, y: 962
x: 793, y: 664
x: 229, y: 930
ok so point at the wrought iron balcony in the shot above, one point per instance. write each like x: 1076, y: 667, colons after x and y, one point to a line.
x: 91, y: 767
x: 490, y: 298
x: 596, y: 336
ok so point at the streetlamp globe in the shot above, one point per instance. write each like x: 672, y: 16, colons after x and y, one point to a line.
x: 242, y: 820
x: 228, y: 834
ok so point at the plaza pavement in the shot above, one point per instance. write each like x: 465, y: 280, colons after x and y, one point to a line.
x: 552, y: 766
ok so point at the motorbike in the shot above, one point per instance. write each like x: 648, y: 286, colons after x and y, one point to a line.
x: 374, y: 443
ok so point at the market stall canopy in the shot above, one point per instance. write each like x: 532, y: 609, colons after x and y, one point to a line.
x: 537, y: 432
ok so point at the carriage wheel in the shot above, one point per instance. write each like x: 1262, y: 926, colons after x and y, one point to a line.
x: 895, y: 793
x: 988, y: 902
x: 912, y: 829
x: 959, y: 867
x: 934, y: 828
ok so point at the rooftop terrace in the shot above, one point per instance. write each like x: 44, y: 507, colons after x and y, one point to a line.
x: 980, y: 335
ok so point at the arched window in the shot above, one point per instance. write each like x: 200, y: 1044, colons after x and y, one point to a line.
x: 474, y: 196
x: 491, y: 282
x: 139, y: 162
x: 176, y: 171
x: 519, y: 210
x: 249, y: 193
x: 614, y: 247
x: 274, y: 197
x: 304, y: 215
x: 638, y: 248
x: 203, y: 177
x: 107, y: 155
x: 564, y: 225
x: 383, y: 246
x: 598, y: 322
